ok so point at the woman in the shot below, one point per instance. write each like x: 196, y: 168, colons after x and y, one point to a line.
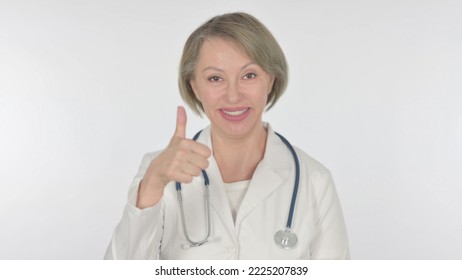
x: 231, y: 69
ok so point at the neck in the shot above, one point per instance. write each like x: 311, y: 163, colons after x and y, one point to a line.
x: 237, y: 158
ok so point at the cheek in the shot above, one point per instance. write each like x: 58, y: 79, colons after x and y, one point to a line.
x: 263, y: 92
x: 264, y: 100
x: 209, y: 97
x: 201, y: 91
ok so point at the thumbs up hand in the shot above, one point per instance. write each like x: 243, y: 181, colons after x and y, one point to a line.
x: 180, y: 161
x: 185, y: 158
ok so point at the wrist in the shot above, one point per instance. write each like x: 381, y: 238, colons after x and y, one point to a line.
x: 148, y: 194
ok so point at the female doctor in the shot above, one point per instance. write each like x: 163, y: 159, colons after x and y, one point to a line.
x: 239, y: 191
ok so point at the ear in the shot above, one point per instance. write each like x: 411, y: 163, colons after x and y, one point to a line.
x: 193, y: 85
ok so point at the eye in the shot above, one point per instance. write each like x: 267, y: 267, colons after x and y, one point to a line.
x: 249, y: 76
x: 214, y: 79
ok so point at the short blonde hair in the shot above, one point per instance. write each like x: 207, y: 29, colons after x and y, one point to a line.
x: 249, y: 34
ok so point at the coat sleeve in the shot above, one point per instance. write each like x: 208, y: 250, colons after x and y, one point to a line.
x: 331, y: 241
x: 139, y: 233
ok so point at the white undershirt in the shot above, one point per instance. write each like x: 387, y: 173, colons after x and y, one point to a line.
x: 236, y: 192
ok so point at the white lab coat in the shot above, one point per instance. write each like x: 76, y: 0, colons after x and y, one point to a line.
x: 157, y: 232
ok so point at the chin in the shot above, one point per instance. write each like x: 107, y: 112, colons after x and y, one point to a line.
x: 238, y: 130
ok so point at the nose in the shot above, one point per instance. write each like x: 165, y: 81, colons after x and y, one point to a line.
x: 233, y: 93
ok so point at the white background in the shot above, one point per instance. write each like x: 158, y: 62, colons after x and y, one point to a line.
x: 87, y: 87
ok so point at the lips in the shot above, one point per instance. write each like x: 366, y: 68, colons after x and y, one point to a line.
x: 235, y: 114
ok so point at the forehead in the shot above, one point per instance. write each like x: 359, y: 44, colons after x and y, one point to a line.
x: 221, y: 50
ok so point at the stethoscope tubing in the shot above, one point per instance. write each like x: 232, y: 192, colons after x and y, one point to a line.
x: 296, y: 183
x: 285, y: 235
x: 207, y: 206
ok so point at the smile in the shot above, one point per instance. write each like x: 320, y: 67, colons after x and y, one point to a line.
x: 235, y: 113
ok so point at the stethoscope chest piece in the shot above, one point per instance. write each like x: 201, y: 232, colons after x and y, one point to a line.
x: 286, y: 239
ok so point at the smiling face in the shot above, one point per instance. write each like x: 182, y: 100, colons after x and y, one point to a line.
x: 233, y: 89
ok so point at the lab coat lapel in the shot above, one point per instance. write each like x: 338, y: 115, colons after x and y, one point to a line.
x: 270, y: 174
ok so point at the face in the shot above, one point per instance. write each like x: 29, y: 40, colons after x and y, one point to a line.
x: 233, y: 89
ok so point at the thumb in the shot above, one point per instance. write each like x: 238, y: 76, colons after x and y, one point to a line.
x: 180, y: 130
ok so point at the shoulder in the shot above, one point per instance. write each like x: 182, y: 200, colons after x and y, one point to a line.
x: 310, y: 161
x: 308, y: 164
x: 314, y: 168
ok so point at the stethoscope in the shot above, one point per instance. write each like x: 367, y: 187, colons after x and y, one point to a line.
x: 285, y: 238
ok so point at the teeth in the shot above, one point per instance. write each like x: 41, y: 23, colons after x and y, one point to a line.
x: 235, y: 113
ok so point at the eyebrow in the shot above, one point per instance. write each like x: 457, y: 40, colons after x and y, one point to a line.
x: 221, y: 70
